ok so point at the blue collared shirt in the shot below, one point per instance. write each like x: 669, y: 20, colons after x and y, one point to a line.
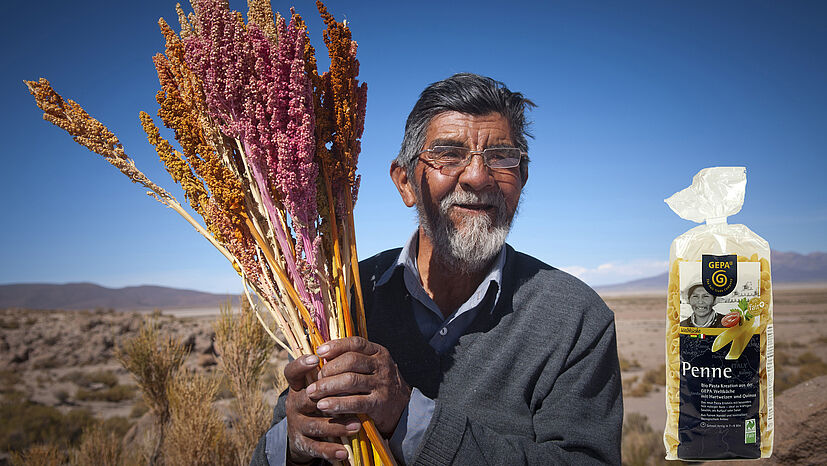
x: 442, y: 334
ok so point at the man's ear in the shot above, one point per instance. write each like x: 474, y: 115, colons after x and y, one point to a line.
x: 399, y: 175
x: 524, y: 173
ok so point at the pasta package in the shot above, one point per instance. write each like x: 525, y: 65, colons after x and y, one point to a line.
x: 719, y: 327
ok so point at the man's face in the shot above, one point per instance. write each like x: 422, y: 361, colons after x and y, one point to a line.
x: 467, y: 216
x: 701, y: 302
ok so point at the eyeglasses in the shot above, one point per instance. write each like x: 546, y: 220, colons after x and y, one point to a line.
x: 451, y: 160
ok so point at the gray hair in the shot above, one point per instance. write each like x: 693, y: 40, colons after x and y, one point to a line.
x: 464, y: 93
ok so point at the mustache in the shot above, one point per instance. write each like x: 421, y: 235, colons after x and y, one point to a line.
x: 464, y: 197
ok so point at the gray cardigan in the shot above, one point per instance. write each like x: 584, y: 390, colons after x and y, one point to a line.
x: 535, y: 381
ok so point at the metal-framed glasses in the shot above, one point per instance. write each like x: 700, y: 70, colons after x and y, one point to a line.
x: 451, y: 160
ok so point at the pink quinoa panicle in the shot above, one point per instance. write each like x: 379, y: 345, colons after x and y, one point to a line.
x: 220, y: 57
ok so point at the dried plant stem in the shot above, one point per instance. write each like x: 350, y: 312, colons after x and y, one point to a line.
x: 356, y: 458
x: 347, y: 279
x: 277, y: 316
x: 287, y: 346
x: 281, y: 276
x: 291, y: 329
x: 376, y: 440
x: 254, y: 188
x: 172, y: 203
x: 273, y: 335
x: 325, y: 291
x: 354, y: 266
x: 296, y: 329
x: 364, y: 447
x: 338, y: 279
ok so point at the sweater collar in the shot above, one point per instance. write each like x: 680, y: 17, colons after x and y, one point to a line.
x: 407, y: 263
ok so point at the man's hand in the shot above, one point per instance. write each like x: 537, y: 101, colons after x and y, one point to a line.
x: 360, y: 377
x: 308, y: 430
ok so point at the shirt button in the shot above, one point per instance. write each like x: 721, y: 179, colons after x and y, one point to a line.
x: 443, y: 331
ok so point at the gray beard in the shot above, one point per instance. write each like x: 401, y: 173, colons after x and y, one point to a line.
x: 477, y: 240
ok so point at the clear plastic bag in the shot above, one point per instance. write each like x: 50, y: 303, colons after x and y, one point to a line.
x: 719, y: 327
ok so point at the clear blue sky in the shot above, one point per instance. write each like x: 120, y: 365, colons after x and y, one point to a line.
x: 633, y: 99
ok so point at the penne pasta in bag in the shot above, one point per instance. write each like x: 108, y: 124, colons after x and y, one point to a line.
x: 719, y: 327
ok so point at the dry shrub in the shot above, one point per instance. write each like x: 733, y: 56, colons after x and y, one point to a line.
x: 641, y: 446
x: 8, y: 380
x: 628, y: 383
x: 784, y: 379
x: 138, y: 409
x: 641, y: 389
x: 273, y: 376
x: 810, y: 366
x: 196, y: 435
x: 39, y: 455
x: 244, y: 348
x: 656, y: 376
x: 626, y: 364
x: 117, y: 425
x: 62, y: 396
x: 783, y: 359
x: 808, y: 358
x: 24, y: 424
x: 89, y: 379
x: 99, y: 447
x: 153, y: 360
x: 812, y: 370
x: 280, y: 382
x: 10, y: 324
x: 111, y: 394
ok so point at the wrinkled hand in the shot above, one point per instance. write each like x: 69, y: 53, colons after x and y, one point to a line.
x: 360, y: 377
x: 307, y: 428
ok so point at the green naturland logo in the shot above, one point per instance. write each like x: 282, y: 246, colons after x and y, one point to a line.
x: 749, y: 431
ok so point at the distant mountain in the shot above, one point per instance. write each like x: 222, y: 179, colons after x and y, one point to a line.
x: 791, y: 267
x: 641, y: 285
x: 91, y: 296
x: 787, y: 268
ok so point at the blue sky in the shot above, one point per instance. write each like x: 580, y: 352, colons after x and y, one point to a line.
x: 633, y: 99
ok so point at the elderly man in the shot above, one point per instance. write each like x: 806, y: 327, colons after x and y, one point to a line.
x: 478, y: 354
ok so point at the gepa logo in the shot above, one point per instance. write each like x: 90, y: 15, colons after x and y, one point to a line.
x: 719, y: 273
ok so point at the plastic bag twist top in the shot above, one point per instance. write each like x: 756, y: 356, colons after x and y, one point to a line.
x: 715, y: 194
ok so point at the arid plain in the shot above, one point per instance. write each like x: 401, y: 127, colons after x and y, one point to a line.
x: 64, y: 361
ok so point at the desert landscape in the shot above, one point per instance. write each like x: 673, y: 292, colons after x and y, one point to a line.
x: 59, y: 374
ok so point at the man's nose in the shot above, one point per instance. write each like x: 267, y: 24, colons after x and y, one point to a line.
x: 476, y: 176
